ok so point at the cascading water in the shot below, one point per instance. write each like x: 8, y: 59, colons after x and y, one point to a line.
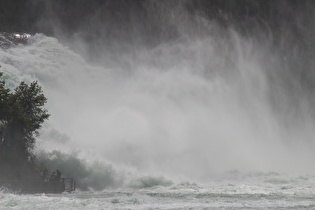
x: 189, y: 109
x: 185, y: 109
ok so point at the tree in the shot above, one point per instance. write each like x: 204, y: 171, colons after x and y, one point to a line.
x: 22, y: 113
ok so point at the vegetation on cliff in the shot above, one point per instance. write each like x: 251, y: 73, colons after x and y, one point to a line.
x: 22, y: 113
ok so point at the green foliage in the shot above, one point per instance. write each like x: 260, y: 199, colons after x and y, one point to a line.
x: 22, y: 113
x: 4, y: 95
x: 28, y: 101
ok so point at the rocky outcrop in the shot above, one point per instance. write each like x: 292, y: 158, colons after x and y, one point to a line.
x: 8, y: 40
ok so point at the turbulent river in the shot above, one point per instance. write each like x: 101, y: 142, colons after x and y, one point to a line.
x: 255, y: 191
x: 193, y: 124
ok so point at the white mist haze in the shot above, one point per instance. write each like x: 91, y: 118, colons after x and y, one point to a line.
x: 188, y: 108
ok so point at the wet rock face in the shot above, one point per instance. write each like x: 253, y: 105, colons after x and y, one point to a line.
x: 8, y: 40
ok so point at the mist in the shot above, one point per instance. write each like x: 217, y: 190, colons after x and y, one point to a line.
x: 187, y: 108
x: 198, y: 101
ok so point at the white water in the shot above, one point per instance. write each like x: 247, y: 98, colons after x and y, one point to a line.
x: 256, y: 191
x: 189, y: 110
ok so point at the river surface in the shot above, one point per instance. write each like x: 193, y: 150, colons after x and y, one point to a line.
x: 255, y: 191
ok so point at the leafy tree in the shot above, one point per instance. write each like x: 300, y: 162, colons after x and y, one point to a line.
x: 22, y: 113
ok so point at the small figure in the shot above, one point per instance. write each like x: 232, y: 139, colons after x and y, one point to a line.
x: 53, y: 176
x: 45, y: 172
x: 58, y: 175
